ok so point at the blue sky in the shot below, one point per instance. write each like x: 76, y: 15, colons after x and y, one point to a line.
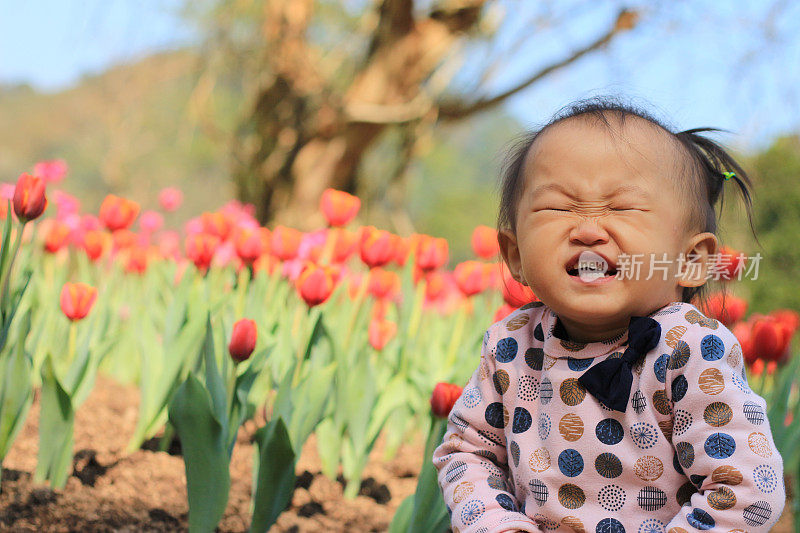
x: 707, y: 66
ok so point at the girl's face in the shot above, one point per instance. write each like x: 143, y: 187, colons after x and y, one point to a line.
x: 588, y: 191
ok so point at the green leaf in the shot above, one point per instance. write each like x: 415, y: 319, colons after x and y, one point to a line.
x: 214, y: 380
x: 16, y: 394
x: 56, y: 422
x: 430, y: 513
x: 329, y: 446
x: 402, y: 517
x: 204, y: 455
x: 274, y: 480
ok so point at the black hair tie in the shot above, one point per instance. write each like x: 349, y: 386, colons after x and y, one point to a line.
x: 610, y: 381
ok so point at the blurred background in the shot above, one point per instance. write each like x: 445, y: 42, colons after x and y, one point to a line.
x: 409, y: 104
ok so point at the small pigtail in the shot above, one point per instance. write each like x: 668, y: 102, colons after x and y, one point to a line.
x: 718, y: 167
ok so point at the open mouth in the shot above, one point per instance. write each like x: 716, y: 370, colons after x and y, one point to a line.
x: 589, y: 266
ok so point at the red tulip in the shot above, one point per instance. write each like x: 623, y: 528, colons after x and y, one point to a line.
x: 431, y: 252
x: 29, y: 197
x: 200, y: 248
x: 285, y: 242
x: 515, y: 293
x: 381, y: 332
x: 118, y: 213
x: 249, y: 244
x: 770, y: 339
x: 315, y: 283
x: 51, y: 171
x: 729, y: 263
x: 170, y: 199
x: 728, y: 309
x: 472, y: 277
x: 339, y: 207
x: 743, y: 332
x: 243, y: 340
x: 57, y: 236
x: 443, y: 398
x: 484, y: 242
x: 787, y: 317
x: 377, y: 246
x: 503, y: 311
x: 401, y: 248
x: 77, y: 300
x: 435, y: 285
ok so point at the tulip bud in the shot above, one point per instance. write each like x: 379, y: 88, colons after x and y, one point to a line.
x: 77, y: 300
x: 29, y: 197
x: 443, y: 398
x: 484, y: 242
x: 381, y: 332
x: 243, y: 340
x: 339, y: 207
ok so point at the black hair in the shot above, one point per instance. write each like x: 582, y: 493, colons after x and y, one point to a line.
x: 703, y: 166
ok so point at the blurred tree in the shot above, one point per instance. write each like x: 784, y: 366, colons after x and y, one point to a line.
x: 323, y: 80
x: 777, y: 223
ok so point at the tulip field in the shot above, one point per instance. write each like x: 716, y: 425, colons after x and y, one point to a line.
x: 202, y: 377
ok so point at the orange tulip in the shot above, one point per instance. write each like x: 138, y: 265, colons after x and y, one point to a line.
x: 95, y: 242
x: 77, y: 300
x: 484, y: 242
x: 431, y: 252
x: 118, y: 213
x: 728, y: 309
x: 315, y: 283
x: 243, y: 340
x: 29, y: 197
x: 377, y: 246
x: 381, y: 332
x: 137, y: 260
x: 757, y: 367
x: 285, y: 242
x: 200, y: 248
x: 730, y: 263
x: 56, y: 237
x: 443, y: 398
x: 401, y: 249
x: 339, y: 207
x: 472, y: 277
x: 344, y: 244
x: 383, y: 283
x: 217, y: 223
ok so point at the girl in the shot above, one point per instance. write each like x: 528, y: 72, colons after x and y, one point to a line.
x: 612, y: 404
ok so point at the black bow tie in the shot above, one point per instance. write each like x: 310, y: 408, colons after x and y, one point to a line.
x: 610, y: 381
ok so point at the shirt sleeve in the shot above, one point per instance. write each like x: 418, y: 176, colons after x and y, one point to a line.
x: 471, y: 461
x: 721, y: 435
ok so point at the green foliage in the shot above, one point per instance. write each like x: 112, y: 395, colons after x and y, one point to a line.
x: 777, y: 224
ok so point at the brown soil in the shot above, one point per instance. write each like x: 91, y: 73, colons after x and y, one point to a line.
x: 146, y: 491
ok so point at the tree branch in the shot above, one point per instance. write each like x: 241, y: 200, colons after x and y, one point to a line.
x: 456, y: 109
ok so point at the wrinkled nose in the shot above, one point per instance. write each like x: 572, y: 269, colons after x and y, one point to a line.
x: 588, y: 232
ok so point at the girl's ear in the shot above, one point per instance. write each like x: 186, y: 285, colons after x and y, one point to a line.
x: 693, y: 270
x: 510, y: 253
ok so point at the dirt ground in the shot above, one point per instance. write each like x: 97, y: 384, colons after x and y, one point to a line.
x: 146, y: 491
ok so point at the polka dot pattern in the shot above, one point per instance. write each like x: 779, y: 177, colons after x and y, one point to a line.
x: 527, y: 441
